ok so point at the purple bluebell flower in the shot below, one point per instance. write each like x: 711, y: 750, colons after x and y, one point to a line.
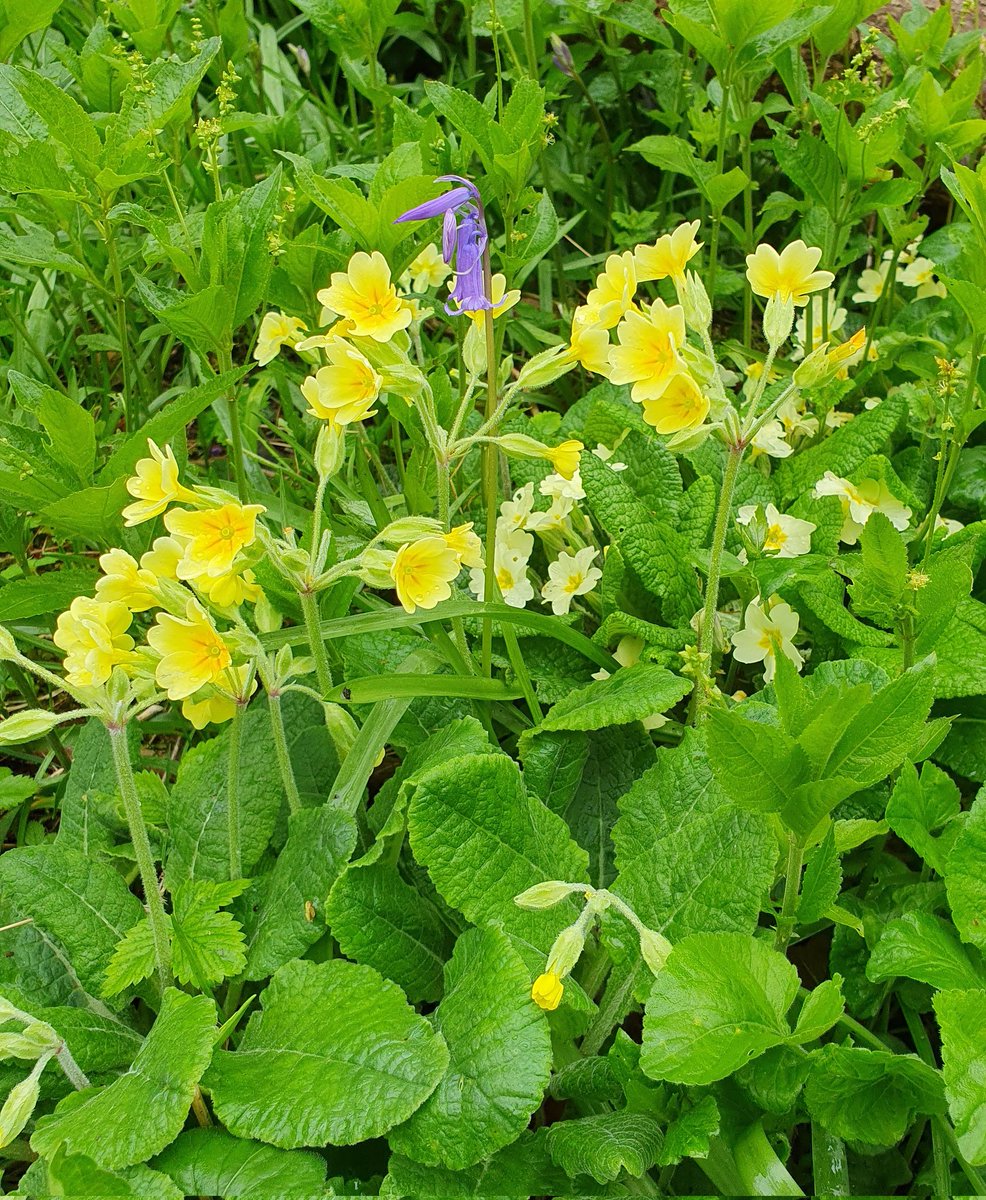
x: 464, y: 241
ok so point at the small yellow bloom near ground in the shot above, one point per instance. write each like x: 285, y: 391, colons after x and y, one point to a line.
x: 767, y: 633
x: 647, y: 354
x: 570, y: 575
x: 920, y: 274
x: 154, y: 485
x: 364, y: 295
x: 215, y: 537
x: 125, y: 581
x: 193, y: 654
x: 422, y: 572
x: 860, y: 501
x: 276, y: 330
x: 790, y: 275
x: 428, y: 270
x: 93, y: 634
x: 870, y: 285
x: 565, y: 457
x: 787, y: 537
x: 215, y: 705
x: 547, y: 991
x: 681, y: 405
x: 466, y: 545
x: 346, y: 389
x: 616, y: 286
x: 669, y: 256
x: 501, y: 299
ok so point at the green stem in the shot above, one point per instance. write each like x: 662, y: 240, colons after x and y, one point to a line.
x: 122, y: 330
x: 317, y: 513
x: 235, y: 428
x: 907, y: 635
x: 73, y: 1072
x: 747, y: 154
x: 281, y: 749
x: 233, y: 791
x: 792, y: 890
x: 142, y: 851
x: 717, y: 213
x: 489, y: 472
x: 828, y: 1160
x: 530, y: 47
x: 612, y: 1008
x: 309, y: 608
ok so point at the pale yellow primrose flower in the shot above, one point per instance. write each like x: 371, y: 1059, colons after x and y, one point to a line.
x: 163, y: 557
x: 155, y: 485
x: 364, y: 295
x: 422, y: 572
x: 860, y: 501
x: 765, y: 634
x: 514, y: 513
x: 126, y: 582
x: 681, y: 405
x: 769, y: 439
x: 466, y: 545
x: 588, y: 343
x: 570, y: 575
x: 871, y: 284
x: 920, y: 274
x: 214, y: 705
x: 787, y: 537
x: 192, y: 652
x: 613, y: 294
x: 230, y: 589
x: 669, y: 256
x: 790, y: 275
x: 647, y: 354
x: 500, y: 298
x: 560, y: 487
x: 276, y: 330
x: 429, y: 269
x: 93, y: 634
x: 344, y: 391
x: 215, y: 537
x: 511, y: 552
x: 604, y: 454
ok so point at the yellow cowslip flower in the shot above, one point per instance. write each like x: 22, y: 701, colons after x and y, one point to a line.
x: 422, y: 572
x: 500, y: 298
x: 615, y: 289
x: 276, y: 330
x: 230, y: 590
x: 682, y: 405
x: 790, y: 275
x: 588, y: 343
x: 345, y: 390
x: 163, y: 557
x: 155, y: 485
x: 93, y: 634
x: 124, y: 581
x: 365, y: 295
x: 570, y: 575
x: 669, y: 256
x: 466, y: 545
x: 647, y: 355
x: 215, y: 536
x: 215, y: 705
x: 192, y: 652
x: 428, y: 270
x: 565, y: 457
x: 547, y: 991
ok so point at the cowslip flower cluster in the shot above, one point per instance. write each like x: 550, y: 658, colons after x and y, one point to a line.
x: 424, y: 570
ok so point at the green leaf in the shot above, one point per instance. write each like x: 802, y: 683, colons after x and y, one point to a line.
x: 879, y: 585
x: 965, y: 882
x: 720, y: 1001
x: 50, y: 592
x: 319, y: 843
x: 381, y: 921
x: 79, y: 905
x: 328, y: 1032
x: 133, y: 960
x: 138, y: 1114
x: 756, y: 765
x: 18, y: 21
x: 70, y: 428
x: 917, y: 808
x: 553, y: 766
x: 962, y: 1019
x: 689, y: 860
x: 211, y: 1162
x: 76, y: 1175
x: 822, y: 881
x: 690, y: 1134
x: 499, y: 1057
x: 605, y: 1145
x: 484, y: 840
x: 870, y: 1096
x: 88, y: 820
x: 823, y: 1007
x: 197, y: 811
x: 631, y: 694
x: 207, y: 945
x: 515, y: 1173
x: 924, y: 947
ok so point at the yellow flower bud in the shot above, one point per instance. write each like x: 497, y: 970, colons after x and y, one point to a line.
x: 547, y: 991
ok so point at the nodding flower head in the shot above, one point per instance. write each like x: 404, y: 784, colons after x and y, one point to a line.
x: 464, y: 240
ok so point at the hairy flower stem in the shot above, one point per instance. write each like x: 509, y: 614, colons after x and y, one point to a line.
x: 142, y: 851
x: 71, y: 1069
x: 233, y: 791
x: 717, y: 213
x: 792, y: 890
x: 706, y: 632
x: 281, y: 749
x: 489, y: 472
x: 235, y: 428
x: 309, y: 608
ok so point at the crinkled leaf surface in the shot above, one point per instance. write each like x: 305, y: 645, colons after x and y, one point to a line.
x: 211, y: 1162
x: 924, y: 947
x: 632, y: 694
x: 138, y: 1114
x: 328, y: 1032
x: 965, y: 879
x: 606, y: 1144
x: 499, y: 1057
x: 962, y: 1018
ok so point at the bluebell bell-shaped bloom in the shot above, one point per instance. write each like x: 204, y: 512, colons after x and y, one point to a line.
x: 464, y: 241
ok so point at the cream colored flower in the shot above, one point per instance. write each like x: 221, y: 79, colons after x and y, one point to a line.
x: 860, y: 501
x: 871, y: 284
x: 276, y: 330
x: 570, y: 575
x: 836, y: 318
x: 920, y: 274
x: 428, y: 270
x: 767, y: 633
x: 790, y: 275
x: 769, y: 439
x: 787, y: 537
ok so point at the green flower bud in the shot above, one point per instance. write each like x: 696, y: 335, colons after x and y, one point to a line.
x: 547, y: 894
x: 8, y: 647
x: 545, y: 368
x: 408, y: 529
x: 778, y: 321
x: 654, y: 948
x: 375, y: 567
x: 26, y: 726
x: 19, y: 1105
x: 330, y: 450
x: 567, y: 950
x: 695, y: 301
